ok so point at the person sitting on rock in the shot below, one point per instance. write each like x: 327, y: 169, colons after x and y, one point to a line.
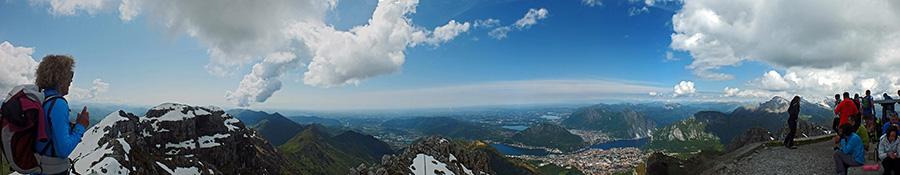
x: 850, y: 153
x: 888, y: 150
x: 861, y: 132
x: 895, y: 121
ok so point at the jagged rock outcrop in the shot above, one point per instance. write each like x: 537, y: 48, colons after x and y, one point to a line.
x: 432, y: 155
x: 174, y: 139
x: 754, y: 134
x: 804, y: 129
x: 684, y: 136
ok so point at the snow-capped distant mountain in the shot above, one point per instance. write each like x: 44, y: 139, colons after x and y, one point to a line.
x: 174, y: 139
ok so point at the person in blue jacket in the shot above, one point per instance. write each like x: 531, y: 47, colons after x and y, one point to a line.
x: 54, y: 75
x: 851, y: 152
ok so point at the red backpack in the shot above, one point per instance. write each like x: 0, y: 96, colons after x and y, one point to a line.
x: 23, y: 122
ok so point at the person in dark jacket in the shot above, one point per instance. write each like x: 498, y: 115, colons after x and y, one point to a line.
x: 793, y: 113
x: 886, y: 108
x: 837, y: 119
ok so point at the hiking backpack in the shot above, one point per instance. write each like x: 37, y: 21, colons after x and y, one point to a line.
x: 866, y: 102
x: 23, y: 123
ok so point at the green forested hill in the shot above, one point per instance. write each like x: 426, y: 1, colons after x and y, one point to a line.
x: 549, y: 135
x: 314, y: 152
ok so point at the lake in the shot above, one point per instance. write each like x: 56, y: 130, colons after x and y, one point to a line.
x: 515, y: 127
x: 509, y: 150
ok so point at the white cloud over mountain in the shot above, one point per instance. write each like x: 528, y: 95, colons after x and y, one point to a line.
x: 16, y: 66
x: 264, y: 80
x: 235, y: 32
x: 92, y: 94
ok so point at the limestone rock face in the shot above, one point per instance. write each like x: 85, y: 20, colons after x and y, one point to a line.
x: 174, y: 139
x: 432, y: 155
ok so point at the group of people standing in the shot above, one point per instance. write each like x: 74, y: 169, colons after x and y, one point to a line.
x: 857, y: 125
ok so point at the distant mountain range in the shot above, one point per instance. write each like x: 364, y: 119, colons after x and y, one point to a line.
x: 449, y: 127
x: 769, y: 115
x: 661, y: 113
x: 627, y: 124
x: 274, y: 127
x: 706, y: 126
x: 549, y: 135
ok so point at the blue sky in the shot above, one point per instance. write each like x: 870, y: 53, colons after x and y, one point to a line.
x: 332, y: 55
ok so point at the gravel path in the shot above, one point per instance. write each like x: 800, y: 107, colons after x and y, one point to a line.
x: 807, y: 159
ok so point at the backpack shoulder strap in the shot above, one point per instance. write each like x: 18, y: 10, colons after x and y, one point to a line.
x: 52, y: 100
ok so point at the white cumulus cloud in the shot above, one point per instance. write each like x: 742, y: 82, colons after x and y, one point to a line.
x: 487, y: 23
x: 530, y: 18
x: 16, y: 66
x: 499, y: 32
x: 441, y: 34
x: 685, y: 88
x: 637, y: 11
x: 773, y: 81
x: 235, y: 32
x: 264, y: 80
x: 592, y: 3
x: 72, y: 7
x: 92, y: 94
x: 671, y: 56
x: 831, y: 35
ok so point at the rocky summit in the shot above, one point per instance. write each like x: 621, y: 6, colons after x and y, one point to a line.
x: 174, y: 139
x: 754, y: 134
x: 431, y: 155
